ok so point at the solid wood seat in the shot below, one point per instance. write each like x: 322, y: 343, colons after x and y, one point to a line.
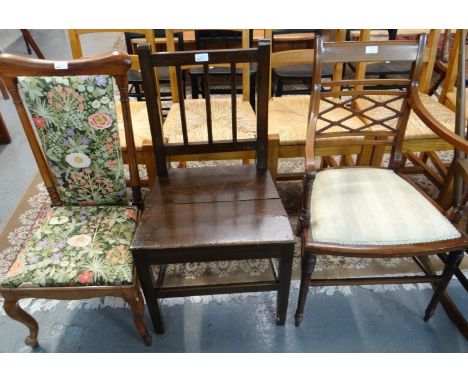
x: 211, y: 213
x: 207, y: 206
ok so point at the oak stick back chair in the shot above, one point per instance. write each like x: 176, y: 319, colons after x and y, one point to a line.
x: 366, y: 211
x: 231, y: 136
x: 220, y: 107
x: 142, y: 134
x: 211, y: 213
x: 81, y: 250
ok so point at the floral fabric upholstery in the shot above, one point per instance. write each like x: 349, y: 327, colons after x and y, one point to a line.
x: 77, y: 246
x: 76, y: 123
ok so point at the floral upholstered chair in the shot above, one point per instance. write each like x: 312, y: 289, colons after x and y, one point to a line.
x: 81, y: 250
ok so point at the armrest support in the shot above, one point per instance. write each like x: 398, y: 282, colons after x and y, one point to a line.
x: 310, y: 169
x: 439, y: 129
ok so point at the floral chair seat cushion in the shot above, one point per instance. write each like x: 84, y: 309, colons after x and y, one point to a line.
x: 77, y: 246
x: 76, y: 123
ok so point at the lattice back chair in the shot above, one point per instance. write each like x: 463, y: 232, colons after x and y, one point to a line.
x: 288, y: 119
x: 81, y: 250
x: 421, y: 143
x: 141, y: 130
x: 366, y: 211
x: 205, y: 132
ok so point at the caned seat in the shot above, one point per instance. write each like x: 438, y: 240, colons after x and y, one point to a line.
x: 373, y: 206
x: 141, y: 129
x: 288, y: 117
x: 195, y: 112
x: 416, y: 129
x: 77, y: 246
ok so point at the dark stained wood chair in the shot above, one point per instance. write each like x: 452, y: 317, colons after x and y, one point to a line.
x: 81, y: 250
x: 367, y: 211
x: 219, y: 213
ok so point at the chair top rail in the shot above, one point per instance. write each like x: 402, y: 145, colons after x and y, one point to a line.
x: 369, y: 51
x: 194, y: 57
x: 115, y: 64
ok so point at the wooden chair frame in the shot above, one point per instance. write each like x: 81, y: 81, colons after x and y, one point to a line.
x: 387, y: 50
x: 116, y: 65
x: 198, y: 191
x: 177, y: 95
x: 448, y: 85
x: 278, y: 149
x: 173, y: 76
x: 425, y: 146
x: 145, y: 154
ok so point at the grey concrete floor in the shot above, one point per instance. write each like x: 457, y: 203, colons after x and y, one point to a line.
x: 362, y: 322
x: 365, y: 321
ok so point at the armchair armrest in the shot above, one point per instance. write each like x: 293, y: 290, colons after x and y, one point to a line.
x: 310, y: 169
x: 439, y: 129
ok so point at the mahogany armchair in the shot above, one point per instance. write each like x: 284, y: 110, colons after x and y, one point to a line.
x: 81, y: 250
x: 367, y: 211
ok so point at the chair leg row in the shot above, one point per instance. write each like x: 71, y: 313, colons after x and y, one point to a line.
x: 132, y: 297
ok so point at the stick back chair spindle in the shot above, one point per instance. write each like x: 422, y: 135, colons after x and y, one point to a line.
x: 219, y: 213
x: 81, y: 250
x: 378, y: 201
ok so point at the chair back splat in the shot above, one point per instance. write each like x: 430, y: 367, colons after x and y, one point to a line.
x: 383, y: 123
x: 75, y: 104
x: 178, y: 60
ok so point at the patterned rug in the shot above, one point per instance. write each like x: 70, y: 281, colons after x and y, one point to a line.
x: 35, y: 203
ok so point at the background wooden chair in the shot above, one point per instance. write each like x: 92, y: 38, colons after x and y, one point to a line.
x: 81, y: 250
x: 220, y: 107
x: 220, y: 39
x: 366, y: 211
x: 448, y: 95
x: 218, y: 213
x: 421, y: 143
x: 296, y: 74
x: 142, y: 135
x: 288, y: 119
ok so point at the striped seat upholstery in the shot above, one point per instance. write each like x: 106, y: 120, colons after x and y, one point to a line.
x: 372, y: 206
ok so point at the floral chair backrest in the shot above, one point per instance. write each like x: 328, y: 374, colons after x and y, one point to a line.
x: 76, y: 123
